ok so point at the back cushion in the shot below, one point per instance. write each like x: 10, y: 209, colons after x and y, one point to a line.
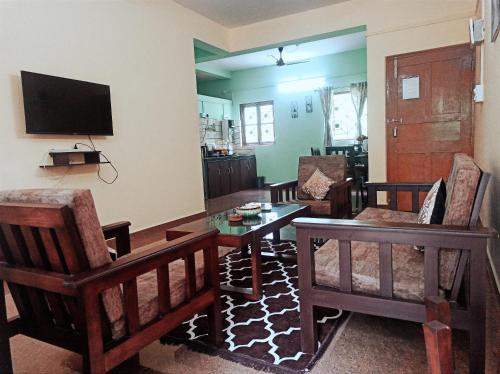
x: 460, y: 196
x: 89, y: 228
x: 334, y: 167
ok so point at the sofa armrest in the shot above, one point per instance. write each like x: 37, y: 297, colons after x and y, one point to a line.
x: 289, y: 189
x: 145, y: 259
x: 340, y: 199
x: 393, y: 189
x: 120, y: 232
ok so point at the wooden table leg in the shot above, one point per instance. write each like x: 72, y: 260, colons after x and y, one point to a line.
x: 276, y: 237
x: 256, y: 270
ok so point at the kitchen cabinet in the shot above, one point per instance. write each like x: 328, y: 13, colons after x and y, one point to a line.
x: 248, y: 173
x: 227, y: 175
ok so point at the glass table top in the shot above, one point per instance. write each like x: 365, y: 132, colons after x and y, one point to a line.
x: 220, y: 220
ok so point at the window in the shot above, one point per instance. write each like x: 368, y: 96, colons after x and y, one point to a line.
x: 344, y: 118
x: 257, y: 123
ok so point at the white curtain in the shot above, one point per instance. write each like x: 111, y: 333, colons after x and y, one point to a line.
x: 359, y: 92
x: 326, y: 97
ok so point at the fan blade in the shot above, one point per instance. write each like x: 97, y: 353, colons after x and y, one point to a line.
x: 297, y: 62
x: 275, y: 58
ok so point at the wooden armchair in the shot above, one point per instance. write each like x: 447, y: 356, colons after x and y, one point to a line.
x: 337, y: 203
x: 68, y: 291
x: 370, y: 265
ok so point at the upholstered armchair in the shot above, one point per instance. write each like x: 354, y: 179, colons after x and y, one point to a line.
x: 336, y: 204
x: 384, y: 263
x: 70, y: 293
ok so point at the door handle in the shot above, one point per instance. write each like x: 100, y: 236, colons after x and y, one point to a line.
x: 395, y: 132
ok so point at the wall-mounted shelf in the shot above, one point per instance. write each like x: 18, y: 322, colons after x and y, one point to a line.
x: 74, y: 157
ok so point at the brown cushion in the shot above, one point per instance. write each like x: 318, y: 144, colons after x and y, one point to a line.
x: 318, y: 207
x: 460, y: 195
x: 408, y: 264
x: 318, y: 185
x: 147, y: 287
x: 89, y: 228
x: 334, y: 167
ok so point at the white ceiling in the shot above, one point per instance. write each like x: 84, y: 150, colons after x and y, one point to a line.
x: 292, y: 53
x: 234, y: 13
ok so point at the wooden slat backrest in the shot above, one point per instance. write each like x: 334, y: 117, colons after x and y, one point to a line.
x: 42, y: 236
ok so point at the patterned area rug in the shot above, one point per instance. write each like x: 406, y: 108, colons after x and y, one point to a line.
x: 263, y: 334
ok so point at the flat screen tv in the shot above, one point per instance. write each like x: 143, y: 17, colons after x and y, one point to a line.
x: 54, y: 105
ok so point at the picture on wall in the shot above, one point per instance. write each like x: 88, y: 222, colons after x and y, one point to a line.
x: 309, y: 104
x: 495, y: 19
x: 294, y: 108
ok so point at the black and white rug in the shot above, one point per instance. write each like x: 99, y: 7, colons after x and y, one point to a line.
x: 263, y: 334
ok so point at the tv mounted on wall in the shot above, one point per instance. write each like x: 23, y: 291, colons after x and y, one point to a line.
x: 55, y: 105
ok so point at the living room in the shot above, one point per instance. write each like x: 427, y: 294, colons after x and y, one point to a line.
x: 149, y: 173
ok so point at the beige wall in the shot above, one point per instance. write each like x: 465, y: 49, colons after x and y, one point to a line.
x: 487, y: 151
x: 144, y: 51
x: 393, y: 27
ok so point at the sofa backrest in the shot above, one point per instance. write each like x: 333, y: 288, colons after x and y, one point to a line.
x: 461, y: 192
x: 89, y: 229
x: 334, y: 167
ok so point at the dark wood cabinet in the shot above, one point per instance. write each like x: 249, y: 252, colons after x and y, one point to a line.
x: 213, y: 180
x: 235, y: 180
x: 228, y: 175
x: 248, y: 173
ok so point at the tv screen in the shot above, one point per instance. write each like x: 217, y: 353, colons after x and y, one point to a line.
x: 54, y: 105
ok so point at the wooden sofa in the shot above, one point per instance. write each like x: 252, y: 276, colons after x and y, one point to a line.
x: 69, y: 292
x: 337, y: 203
x: 370, y: 265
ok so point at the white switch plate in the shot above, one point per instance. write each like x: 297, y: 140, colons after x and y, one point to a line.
x: 479, y: 93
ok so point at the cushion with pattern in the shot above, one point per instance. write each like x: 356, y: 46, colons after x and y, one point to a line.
x: 318, y: 185
x: 432, y: 211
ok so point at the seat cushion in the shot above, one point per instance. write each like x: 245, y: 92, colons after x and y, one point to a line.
x: 318, y: 207
x: 147, y: 287
x: 408, y: 264
x: 82, y: 205
x: 334, y: 167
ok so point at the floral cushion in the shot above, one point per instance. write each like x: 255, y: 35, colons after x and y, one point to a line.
x: 460, y: 196
x: 147, y: 286
x: 318, y: 185
x: 334, y: 167
x: 408, y: 264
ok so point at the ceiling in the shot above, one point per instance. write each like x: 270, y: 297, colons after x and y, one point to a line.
x: 234, y: 13
x: 291, y: 53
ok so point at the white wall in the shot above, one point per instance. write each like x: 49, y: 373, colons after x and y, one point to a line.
x: 487, y: 152
x: 393, y: 27
x: 144, y: 51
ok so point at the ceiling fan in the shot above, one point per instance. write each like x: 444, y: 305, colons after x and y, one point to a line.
x: 281, y: 62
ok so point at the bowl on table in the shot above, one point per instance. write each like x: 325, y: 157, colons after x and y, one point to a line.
x: 248, y: 210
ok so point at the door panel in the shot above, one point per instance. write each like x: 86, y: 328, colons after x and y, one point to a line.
x: 424, y: 133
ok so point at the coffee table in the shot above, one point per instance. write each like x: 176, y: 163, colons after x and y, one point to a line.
x: 249, y: 232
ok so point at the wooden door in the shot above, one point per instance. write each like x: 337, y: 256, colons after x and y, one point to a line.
x: 214, y: 179
x: 245, y: 174
x: 428, y: 114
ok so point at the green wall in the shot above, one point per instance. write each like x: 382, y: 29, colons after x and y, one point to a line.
x: 294, y: 137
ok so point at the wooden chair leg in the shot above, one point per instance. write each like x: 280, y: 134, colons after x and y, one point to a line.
x: 5, y: 353
x: 438, y: 347
x: 214, y: 312
x: 437, y: 309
